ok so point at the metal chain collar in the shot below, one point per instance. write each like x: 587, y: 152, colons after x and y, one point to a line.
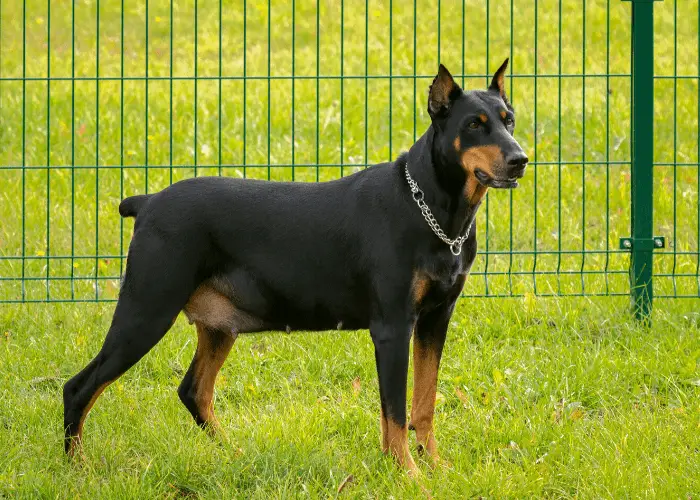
x: 418, y: 196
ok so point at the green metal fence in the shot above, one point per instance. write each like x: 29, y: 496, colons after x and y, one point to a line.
x: 100, y: 99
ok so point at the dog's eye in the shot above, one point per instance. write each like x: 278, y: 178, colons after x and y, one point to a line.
x: 509, y: 122
x: 474, y: 125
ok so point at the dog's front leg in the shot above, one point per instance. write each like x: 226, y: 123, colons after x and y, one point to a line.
x: 429, y: 339
x: 391, y: 345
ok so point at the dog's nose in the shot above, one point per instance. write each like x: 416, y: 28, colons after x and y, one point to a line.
x: 516, y: 164
x: 518, y: 159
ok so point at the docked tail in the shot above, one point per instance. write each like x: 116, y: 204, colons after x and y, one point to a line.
x: 131, y: 206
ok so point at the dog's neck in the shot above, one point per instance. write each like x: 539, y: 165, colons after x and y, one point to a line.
x: 443, y: 185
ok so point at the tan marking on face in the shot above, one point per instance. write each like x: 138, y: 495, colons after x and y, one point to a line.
x: 213, y: 348
x: 420, y: 286
x: 457, y: 144
x: 397, y: 436
x: 503, y: 114
x: 474, y: 191
x: 483, y: 158
x: 426, y: 362
x: 483, y: 118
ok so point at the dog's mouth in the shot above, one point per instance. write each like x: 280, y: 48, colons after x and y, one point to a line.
x: 505, y: 183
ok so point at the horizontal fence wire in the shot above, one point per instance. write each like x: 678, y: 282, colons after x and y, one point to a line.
x: 105, y: 99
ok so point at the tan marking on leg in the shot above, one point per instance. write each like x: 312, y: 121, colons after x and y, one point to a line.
x: 425, y: 373
x: 77, y: 439
x: 398, y: 445
x: 385, y: 431
x: 212, y: 350
x: 483, y: 118
x: 419, y: 286
x: 457, y: 144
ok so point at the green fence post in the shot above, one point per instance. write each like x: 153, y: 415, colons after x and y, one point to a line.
x: 641, y: 244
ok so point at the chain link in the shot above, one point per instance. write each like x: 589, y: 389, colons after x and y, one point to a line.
x: 419, y: 197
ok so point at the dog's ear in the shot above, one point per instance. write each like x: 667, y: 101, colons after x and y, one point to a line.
x: 442, y: 92
x: 497, y: 84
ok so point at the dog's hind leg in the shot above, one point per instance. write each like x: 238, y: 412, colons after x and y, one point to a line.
x: 130, y: 337
x: 154, y: 291
x: 197, y: 388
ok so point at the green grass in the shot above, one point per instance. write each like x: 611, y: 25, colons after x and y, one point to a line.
x: 562, y: 398
x: 537, y: 398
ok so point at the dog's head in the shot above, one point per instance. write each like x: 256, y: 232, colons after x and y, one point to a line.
x: 474, y: 133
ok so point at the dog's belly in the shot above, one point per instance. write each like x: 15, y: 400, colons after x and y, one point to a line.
x: 241, y: 305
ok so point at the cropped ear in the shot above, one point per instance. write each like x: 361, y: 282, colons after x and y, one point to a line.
x: 442, y: 92
x: 497, y: 83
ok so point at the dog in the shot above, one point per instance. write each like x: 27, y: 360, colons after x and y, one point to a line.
x: 386, y: 249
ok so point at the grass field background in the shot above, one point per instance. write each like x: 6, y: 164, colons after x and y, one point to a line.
x: 538, y: 397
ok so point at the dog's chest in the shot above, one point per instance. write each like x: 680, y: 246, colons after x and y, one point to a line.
x: 443, y: 271
x: 442, y: 275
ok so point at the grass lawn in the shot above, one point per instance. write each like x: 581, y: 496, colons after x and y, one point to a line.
x: 538, y: 397
x: 565, y: 398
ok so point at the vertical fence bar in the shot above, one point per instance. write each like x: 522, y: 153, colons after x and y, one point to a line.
x: 415, y: 29
x: 48, y: 148
x: 391, y: 64
x: 534, y: 147
x: 642, y: 156
x: 24, y: 138
x: 583, y: 152
x: 121, y: 136
x: 72, y: 155
x: 438, y: 30
x: 220, y: 63
x: 486, y: 231
x: 196, y: 80
x: 510, y: 193
x: 463, y: 42
x: 245, y: 82
x: 269, y: 75
x: 366, y: 82
x: 294, y: 29
x: 170, y: 116
x: 607, y: 145
x: 145, y: 113
x: 697, y: 263
x: 675, y: 143
x: 559, y: 141
x: 97, y: 150
x: 342, y: 83
x: 318, y: 80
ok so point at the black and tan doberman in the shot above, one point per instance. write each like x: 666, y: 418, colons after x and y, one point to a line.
x: 386, y: 249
